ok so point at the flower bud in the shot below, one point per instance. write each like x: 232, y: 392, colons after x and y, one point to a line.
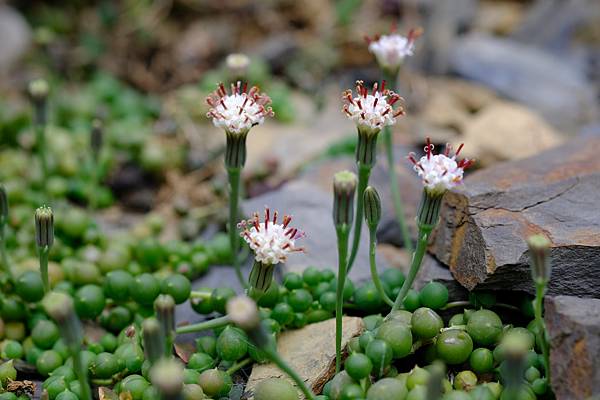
x: 167, y: 377
x: 44, y: 227
x: 237, y: 64
x: 38, y: 90
x: 61, y: 309
x: 429, y: 209
x: 96, y: 137
x: 164, y: 305
x: 243, y: 312
x: 372, y: 207
x: 3, y: 207
x: 261, y: 276
x: 539, y: 256
x: 154, y: 345
x: 344, y: 186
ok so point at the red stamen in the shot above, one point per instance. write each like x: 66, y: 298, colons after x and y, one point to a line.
x: 375, y: 102
x: 374, y: 89
x: 267, y: 218
x: 459, y: 149
x: 359, y: 104
x: 383, y: 85
x: 245, y: 87
x: 275, y: 214
x: 428, y: 148
x: 223, y: 104
x: 286, y: 221
x: 448, y: 148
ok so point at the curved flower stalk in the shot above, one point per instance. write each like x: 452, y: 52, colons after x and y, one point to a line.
x: 271, y: 244
x: 371, y: 111
x: 244, y: 313
x: 439, y: 173
x: 390, y: 52
x: 236, y: 113
x: 372, y: 218
x: 344, y: 188
x: 38, y: 93
x: 44, y: 238
x: 539, y: 254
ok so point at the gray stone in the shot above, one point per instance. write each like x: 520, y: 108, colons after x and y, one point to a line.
x: 557, y: 90
x: 15, y: 34
x: 310, y: 351
x: 484, y: 224
x: 574, y: 328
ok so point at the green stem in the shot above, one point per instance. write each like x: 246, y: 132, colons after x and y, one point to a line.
x: 364, y: 171
x: 93, y: 203
x: 542, y: 336
x: 418, y: 255
x: 40, y: 132
x: 282, y: 365
x: 44, y: 267
x: 234, y: 240
x: 374, y: 275
x: 81, y: 372
x: 205, y: 325
x: 342, y: 239
x: 239, y: 365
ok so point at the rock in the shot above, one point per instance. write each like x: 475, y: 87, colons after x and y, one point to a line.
x: 574, y: 328
x: 499, y: 17
x: 484, y: 224
x: 507, y: 131
x: 553, y: 23
x: 15, y: 34
x: 310, y: 351
x: 557, y: 90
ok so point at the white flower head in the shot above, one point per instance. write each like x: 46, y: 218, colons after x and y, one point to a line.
x: 271, y: 242
x: 391, y: 50
x: 371, y: 111
x: 440, y: 172
x: 239, y: 111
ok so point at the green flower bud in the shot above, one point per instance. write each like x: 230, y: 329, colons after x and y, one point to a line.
x: 61, y: 309
x: 167, y: 377
x: 261, y: 276
x: 154, y: 344
x: 243, y: 312
x: 44, y: 227
x: 372, y: 207
x: 539, y: 258
x: 38, y: 89
x: 344, y: 187
x: 429, y: 209
x: 96, y: 137
x: 164, y: 305
x: 38, y: 92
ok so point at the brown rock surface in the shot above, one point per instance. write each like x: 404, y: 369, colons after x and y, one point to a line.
x: 485, y: 223
x: 310, y: 351
x: 574, y: 328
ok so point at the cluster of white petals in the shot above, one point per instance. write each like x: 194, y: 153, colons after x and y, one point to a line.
x: 271, y: 242
x: 440, y: 172
x: 391, y: 50
x: 239, y: 111
x: 371, y: 111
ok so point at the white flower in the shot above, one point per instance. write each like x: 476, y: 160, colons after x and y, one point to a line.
x: 391, y: 50
x: 271, y: 242
x: 239, y: 111
x: 440, y: 172
x: 371, y: 111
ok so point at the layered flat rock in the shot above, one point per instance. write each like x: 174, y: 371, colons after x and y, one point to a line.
x: 310, y: 351
x: 574, y: 328
x: 484, y: 224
